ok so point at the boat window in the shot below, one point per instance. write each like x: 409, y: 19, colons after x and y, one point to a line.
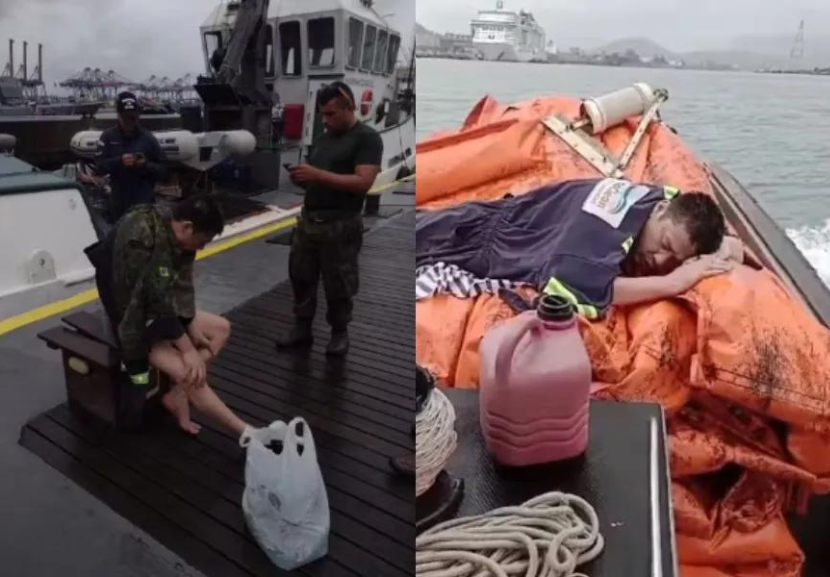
x: 369, y: 47
x: 380, y: 53
x: 321, y: 42
x: 270, y: 68
x: 355, y: 42
x: 392, y: 56
x: 213, y: 41
x: 290, y: 47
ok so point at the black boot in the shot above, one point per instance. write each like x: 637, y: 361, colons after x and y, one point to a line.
x: 299, y: 336
x: 339, y: 344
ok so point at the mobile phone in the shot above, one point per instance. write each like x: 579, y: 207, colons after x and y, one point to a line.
x: 140, y: 156
x: 287, y: 166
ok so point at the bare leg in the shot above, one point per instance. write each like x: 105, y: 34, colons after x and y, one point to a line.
x: 176, y: 401
x: 214, y: 329
x: 168, y: 359
x: 204, y: 399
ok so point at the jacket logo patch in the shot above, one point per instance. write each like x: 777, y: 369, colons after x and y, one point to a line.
x: 611, y: 199
x: 164, y: 272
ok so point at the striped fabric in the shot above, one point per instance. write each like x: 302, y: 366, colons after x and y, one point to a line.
x: 441, y: 278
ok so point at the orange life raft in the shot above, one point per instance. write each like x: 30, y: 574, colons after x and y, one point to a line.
x: 734, y: 362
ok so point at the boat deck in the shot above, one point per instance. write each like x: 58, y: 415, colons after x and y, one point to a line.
x: 163, y: 503
x: 186, y: 491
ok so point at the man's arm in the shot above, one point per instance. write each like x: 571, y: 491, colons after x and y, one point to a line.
x: 367, y: 166
x: 105, y: 160
x: 636, y: 290
x: 155, y: 159
x: 152, y: 274
x: 358, y: 183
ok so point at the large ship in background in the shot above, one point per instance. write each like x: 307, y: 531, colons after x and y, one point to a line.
x: 508, y: 36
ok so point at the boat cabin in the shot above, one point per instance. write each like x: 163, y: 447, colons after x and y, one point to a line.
x: 310, y: 43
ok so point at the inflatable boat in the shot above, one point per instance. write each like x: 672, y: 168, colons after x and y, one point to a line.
x: 739, y: 363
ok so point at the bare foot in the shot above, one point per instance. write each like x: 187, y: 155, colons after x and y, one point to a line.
x: 176, y: 402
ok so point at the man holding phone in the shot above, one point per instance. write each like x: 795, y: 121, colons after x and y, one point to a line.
x: 340, y: 171
x: 132, y: 157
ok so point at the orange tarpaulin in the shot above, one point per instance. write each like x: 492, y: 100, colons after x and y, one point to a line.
x: 734, y: 361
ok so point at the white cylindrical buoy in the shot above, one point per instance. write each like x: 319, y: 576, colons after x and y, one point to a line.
x: 178, y: 145
x: 7, y: 142
x: 614, y: 108
x: 85, y: 143
x: 237, y: 143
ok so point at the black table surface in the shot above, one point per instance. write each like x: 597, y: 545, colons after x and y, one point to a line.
x: 614, y: 476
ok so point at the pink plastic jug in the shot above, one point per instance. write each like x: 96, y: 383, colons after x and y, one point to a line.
x: 535, y: 386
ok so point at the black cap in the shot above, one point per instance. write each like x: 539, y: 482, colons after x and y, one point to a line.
x: 127, y: 103
x: 555, y: 307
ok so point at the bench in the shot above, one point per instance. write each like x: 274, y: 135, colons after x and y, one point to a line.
x: 623, y: 474
x: 96, y: 383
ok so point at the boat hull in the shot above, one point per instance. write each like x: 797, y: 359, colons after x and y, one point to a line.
x: 504, y: 52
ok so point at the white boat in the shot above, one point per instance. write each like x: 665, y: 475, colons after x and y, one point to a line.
x: 508, y: 36
x: 47, y: 222
x: 310, y: 43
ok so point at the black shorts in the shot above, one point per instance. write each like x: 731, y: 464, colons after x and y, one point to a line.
x: 158, y: 336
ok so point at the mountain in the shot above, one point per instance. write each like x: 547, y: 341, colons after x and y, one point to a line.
x: 816, y: 48
x: 642, y: 46
x: 747, y: 52
x: 740, y: 58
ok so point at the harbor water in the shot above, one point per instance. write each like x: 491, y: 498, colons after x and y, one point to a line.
x: 772, y: 132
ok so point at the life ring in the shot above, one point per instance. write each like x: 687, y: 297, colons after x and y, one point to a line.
x: 366, y: 101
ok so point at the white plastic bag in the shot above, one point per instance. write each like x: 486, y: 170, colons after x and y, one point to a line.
x: 285, y: 502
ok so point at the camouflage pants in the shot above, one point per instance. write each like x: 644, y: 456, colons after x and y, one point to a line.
x: 326, y: 245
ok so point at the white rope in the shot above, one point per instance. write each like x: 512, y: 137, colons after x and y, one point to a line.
x: 548, y: 536
x: 436, y: 440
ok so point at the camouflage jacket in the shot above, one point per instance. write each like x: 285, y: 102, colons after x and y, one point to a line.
x: 152, y: 281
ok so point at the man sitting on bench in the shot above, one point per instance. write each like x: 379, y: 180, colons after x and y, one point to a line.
x: 144, y: 273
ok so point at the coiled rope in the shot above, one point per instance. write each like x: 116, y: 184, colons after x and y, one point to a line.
x: 436, y: 440
x: 548, y: 536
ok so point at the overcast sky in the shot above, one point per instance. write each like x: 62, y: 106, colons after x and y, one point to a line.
x: 679, y: 25
x: 136, y: 39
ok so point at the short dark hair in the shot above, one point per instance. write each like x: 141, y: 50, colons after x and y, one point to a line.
x: 703, y: 219
x: 334, y: 90
x: 204, y: 212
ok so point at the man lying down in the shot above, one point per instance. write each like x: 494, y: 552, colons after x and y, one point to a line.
x: 597, y: 242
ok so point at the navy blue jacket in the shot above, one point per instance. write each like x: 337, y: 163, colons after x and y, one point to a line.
x: 569, y: 238
x: 134, y: 185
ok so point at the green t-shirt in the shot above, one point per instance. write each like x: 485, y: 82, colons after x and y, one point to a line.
x: 341, y: 153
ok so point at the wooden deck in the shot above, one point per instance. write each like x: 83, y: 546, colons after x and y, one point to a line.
x: 186, y: 492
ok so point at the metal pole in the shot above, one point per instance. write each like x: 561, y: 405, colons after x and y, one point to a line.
x: 25, y: 61
x: 11, y: 56
x: 40, y: 63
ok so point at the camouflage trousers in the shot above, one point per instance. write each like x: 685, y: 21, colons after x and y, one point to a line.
x: 326, y: 244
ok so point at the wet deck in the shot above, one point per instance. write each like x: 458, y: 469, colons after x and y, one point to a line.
x: 186, y: 492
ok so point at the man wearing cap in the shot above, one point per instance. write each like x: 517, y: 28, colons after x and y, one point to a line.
x: 340, y: 171
x: 132, y: 157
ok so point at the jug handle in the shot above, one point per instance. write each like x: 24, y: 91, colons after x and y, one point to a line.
x: 505, y: 354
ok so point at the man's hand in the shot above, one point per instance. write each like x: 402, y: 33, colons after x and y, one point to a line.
x: 128, y: 160
x: 195, y: 366
x: 305, y: 174
x: 200, y: 340
x: 693, y: 271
